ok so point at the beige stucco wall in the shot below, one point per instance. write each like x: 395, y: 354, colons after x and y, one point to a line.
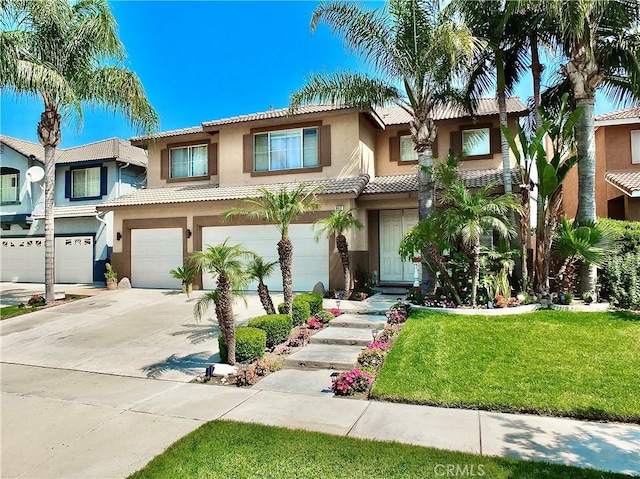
x: 368, y: 134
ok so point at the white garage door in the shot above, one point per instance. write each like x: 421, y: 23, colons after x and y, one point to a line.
x: 310, y: 258
x: 155, y: 252
x: 22, y: 260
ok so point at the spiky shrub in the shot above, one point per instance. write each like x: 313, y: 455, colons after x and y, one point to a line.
x: 250, y: 345
x: 620, y: 281
x: 314, y: 300
x: 300, y: 311
x: 277, y: 327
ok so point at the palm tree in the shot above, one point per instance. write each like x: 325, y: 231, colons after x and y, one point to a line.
x: 224, y: 262
x: 601, y: 43
x: 336, y: 224
x: 258, y: 270
x: 69, y: 54
x: 407, y: 43
x: 280, y: 208
x: 470, y: 215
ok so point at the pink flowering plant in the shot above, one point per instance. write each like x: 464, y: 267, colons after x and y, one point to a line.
x: 335, y: 311
x: 372, y: 358
x: 351, y: 382
x: 315, y: 323
x: 379, y: 345
x: 389, y: 332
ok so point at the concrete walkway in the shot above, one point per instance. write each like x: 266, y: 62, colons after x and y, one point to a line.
x: 77, y: 401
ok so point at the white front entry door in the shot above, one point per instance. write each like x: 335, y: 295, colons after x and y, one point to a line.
x: 155, y: 252
x: 310, y: 257
x: 393, y: 225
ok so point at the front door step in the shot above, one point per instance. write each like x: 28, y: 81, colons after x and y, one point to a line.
x: 324, y: 356
x: 344, y: 336
x: 365, y: 321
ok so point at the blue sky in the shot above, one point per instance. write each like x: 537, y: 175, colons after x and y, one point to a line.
x: 205, y: 60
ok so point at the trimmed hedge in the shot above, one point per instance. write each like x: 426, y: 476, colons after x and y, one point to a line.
x: 300, y: 311
x: 314, y: 300
x: 250, y: 345
x: 324, y: 316
x: 276, y: 326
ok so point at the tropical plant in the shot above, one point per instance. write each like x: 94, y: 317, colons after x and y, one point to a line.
x: 337, y: 224
x: 186, y: 274
x: 601, y: 43
x: 224, y: 262
x: 280, y: 208
x: 110, y: 275
x: 416, y: 54
x: 258, y: 270
x: 592, y: 243
x: 69, y: 54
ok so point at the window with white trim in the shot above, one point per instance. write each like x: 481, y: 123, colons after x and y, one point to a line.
x: 407, y: 149
x: 188, y: 161
x: 635, y: 147
x: 286, y: 149
x: 85, y: 182
x: 9, y: 185
x: 476, y: 142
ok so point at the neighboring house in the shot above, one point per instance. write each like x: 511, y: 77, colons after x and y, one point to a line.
x: 362, y: 160
x: 86, y: 176
x: 617, y: 168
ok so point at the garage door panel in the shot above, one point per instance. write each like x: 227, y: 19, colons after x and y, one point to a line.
x: 74, y: 259
x: 310, y: 258
x: 155, y: 252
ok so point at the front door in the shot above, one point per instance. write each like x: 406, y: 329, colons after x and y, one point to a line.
x: 393, y: 225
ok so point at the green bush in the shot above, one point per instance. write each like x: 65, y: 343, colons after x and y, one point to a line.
x: 281, y: 309
x: 300, y: 311
x: 314, y: 300
x: 324, y: 316
x: 250, y: 345
x: 620, y: 280
x: 627, y: 233
x: 277, y: 326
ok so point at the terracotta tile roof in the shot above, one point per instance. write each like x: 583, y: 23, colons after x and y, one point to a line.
x: 279, y: 113
x: 394, y: 115
x: 68, y: 212
x: 209, y: 192
x: 99, y: 150
x: 409, y: 183
x: 632, y: 113
x: 626, y: 181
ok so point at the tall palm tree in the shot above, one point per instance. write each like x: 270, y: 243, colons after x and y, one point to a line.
x: 258, y: 270
x: 336, y: 224
x: 225, y: 263
x: 470, y: 215
x: 601, y: 43
x: 69, y: 54
x: 416, y: 54
x: 280, y: 208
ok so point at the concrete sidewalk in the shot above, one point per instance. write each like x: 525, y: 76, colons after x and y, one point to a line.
x: 72, y: 424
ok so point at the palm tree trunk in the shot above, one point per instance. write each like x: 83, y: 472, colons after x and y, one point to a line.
x: 265, y: 298
x: 343, y: 250
x: 543, y: 243
x: 285, y: 256
x: 586, y: 147
x: 49, y: 136
x: 224, y: 313
x: 525, y: 234
x: 536, y: 74
x: 436, y: 259
x: 475, y: 273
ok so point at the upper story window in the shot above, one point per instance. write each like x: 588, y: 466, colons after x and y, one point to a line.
x: 286, y: 149
x: 9, y: 185
x: 407, y: 149
x: 189, y: 161
x: 635, y: 147
x: 476, y: 142
x: 85, y: 182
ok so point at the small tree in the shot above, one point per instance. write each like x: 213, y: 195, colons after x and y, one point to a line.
x: 224, y: 262
x: 336, y: 224
x: 258, y: 270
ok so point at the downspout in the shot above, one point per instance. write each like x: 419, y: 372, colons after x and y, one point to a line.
x: 100, y: 219
x: 125, y: 165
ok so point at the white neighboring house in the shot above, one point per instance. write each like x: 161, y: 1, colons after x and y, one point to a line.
x: 86, y: 176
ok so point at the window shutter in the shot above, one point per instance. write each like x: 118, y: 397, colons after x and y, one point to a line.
x: 496, y: 146
x: 213, y: 159
x: 324, y: 145
x: 67, y: 184
x: 394, y: 148
x: 247, y: 153
x: 455, y: 138
x: 434, y: 148
x: 103, y: 181
x: 164, y: 164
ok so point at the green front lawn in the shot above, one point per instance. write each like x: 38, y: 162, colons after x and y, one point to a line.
x: 8, y: 311
x: 582, y: 365
x: 224, y: 450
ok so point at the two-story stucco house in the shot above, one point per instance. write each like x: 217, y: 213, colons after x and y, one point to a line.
x: 361, y: 160
x: 617, y: 167
x: 86, y: 176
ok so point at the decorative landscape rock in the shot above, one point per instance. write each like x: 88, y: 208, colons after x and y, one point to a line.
x: 124, y: 284
x: 319, y: 289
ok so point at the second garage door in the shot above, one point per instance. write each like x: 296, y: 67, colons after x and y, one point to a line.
x: 310, y: 258
x: 155, y: 252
